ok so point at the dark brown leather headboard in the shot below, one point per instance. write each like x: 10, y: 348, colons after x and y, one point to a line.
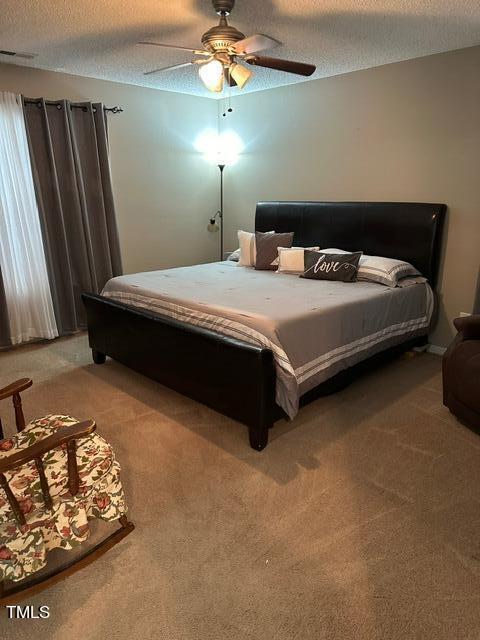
x: 408, y: 231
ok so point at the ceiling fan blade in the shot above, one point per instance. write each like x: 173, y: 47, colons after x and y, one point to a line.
x: 198, y: 52
x: 174, y: 66
x: 257, y: 42
x: 299, y: 68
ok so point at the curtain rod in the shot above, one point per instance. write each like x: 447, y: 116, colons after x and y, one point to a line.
x: 72, y: 105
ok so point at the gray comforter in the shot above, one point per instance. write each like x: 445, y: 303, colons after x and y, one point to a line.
x: 314, y: 328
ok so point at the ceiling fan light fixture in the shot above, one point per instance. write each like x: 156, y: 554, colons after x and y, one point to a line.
x: 211, y: 75
x: 222, y: 45
x: 240, y: 74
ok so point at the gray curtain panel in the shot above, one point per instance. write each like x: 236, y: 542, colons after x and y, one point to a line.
x: 69, y: 152
x: 4, y: 323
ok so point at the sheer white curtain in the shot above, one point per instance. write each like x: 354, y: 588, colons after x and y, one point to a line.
x: 22, y: 258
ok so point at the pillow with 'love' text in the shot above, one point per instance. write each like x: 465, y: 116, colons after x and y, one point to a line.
x: 341, y: 267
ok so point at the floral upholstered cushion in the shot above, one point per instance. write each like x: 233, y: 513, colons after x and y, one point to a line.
x: 23, y: 549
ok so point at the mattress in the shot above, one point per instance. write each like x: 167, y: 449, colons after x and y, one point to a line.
x: 315, y: 328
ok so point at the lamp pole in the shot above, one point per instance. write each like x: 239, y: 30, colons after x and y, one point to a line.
x: 221, y: 167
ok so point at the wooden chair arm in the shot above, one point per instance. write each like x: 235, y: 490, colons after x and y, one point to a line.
x: 15, y: 387
x: 64, y: 435
x: 13, y: 390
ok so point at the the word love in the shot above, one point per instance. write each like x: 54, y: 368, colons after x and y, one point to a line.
x: 326, y: 266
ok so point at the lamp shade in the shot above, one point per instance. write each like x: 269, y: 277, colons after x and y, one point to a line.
x: 224, y: 148
x: 211, y: 74
x: 240, y: 74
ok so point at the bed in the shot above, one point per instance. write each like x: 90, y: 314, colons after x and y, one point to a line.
x: 254, y: 345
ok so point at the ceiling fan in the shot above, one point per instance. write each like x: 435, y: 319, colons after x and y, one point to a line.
x: 225, y: 48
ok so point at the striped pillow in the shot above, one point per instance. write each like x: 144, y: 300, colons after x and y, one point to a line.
x: 387, y: 271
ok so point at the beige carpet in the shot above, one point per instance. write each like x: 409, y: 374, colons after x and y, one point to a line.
x: 360, y: 520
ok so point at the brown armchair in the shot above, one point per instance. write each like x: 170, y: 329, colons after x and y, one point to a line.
x: 56, y: 474
x: 461, y: 372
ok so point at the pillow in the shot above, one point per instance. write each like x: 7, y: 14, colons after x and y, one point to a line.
x: 291, y: 260
x: 409, y: 280
x: 341, y: 267
x: 248, y: 251
x: 329, y: 250
x: 388, y: 271
x: 234, y: 256
x: 267, y: 245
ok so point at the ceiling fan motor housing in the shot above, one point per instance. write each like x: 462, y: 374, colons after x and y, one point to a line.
x: 221, y: 37
x: 223, y: 7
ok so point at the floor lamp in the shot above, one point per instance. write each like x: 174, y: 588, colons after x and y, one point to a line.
x: 213, y: 226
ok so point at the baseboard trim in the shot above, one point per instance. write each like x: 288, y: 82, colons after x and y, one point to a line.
x: 438, y: 351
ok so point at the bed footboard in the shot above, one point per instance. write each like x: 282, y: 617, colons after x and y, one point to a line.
x: 230, y: 376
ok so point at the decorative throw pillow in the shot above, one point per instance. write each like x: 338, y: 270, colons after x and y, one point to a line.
x: 267, y: 245
x: 248, y: 250
x: 331, y: 266
x: 291, y: 260
x: 388, y: 271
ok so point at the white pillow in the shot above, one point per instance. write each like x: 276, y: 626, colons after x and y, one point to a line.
x: 385, y: 270
x: 291, y: 260
x: 388, y: 271
x: 234, y: 256
x: 248, y: 249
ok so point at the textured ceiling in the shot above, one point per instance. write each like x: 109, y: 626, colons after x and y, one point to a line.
x: 97, y: 38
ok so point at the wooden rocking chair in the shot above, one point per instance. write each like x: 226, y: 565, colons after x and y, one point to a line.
x: 56, y: 474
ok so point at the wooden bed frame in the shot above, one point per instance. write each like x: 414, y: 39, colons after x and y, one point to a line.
x: 237, y: 378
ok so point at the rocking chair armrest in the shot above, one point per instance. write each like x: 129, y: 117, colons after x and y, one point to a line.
x: 15, y: 387
x: 64, y: 435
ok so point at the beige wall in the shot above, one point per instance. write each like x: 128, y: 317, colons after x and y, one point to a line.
x: 407, y: 131
x: 164, y: 190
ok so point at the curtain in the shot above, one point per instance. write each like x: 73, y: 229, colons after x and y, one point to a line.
x: 476, y: 304
x: 27, y: 309
x: 4, y: 323
x: 69, y: 154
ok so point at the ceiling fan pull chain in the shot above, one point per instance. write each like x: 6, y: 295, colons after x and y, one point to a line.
x: 230, y: 90
x: 228, y: 99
